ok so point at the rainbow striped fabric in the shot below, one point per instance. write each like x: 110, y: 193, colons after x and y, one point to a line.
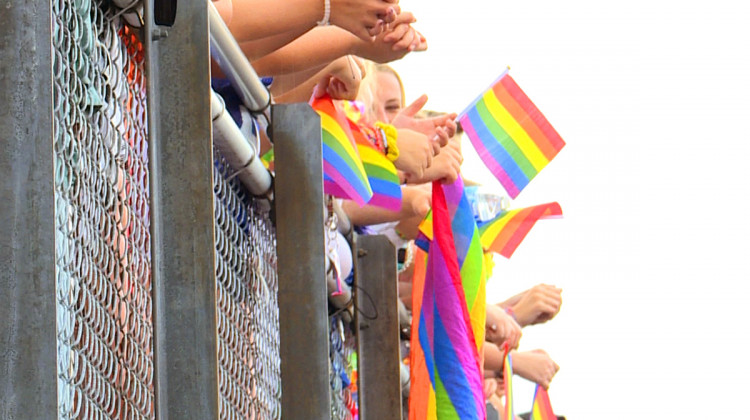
x: 505, y: 232
x: 344, y: 174
x: 448, y: 303
x: 542, y: 409
x: 508, y: 412
x: 382, y: 175
x: 510, y: 135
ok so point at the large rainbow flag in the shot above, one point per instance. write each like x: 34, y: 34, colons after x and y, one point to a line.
x: 382, y: 175
x: 510, y: 134
x: 448, y: 304
x: 542, y: 409
x: 505, y: 232
x: 344, y: 174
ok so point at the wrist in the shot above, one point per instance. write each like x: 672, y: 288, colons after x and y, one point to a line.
x: 520, y: 320
x: 326, y: 15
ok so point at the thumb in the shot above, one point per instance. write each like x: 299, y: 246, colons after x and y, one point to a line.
x: 321, y: 89
x: 415, y: 106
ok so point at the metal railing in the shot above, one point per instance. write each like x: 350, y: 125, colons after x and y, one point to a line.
x: 152, y: 281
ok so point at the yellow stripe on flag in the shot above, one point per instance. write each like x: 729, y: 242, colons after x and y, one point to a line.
x: 329, y: 124
x: 495, y: 228
x: 515, y: 131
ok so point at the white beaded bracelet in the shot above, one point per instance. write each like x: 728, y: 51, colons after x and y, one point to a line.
x: 326, y: 14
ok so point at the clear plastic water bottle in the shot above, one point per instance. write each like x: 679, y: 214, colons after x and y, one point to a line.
x: 485, y: 203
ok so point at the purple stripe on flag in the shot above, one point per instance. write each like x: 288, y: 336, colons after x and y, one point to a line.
x: 492, y: 164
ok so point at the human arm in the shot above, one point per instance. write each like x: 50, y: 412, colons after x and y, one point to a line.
x: 340, y: 79
x: 414, y: 202
x: 256, y: 19
x: 224, y: 7
x: 494, y: 359
x: 285, y: 54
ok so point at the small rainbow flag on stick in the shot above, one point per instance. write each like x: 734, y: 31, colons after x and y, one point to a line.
x: 508, y: 412
x: 345, y: 175
x: 382, y: 175
x: 510, y: 135
x: 505, y: 232
x: 542, y: 409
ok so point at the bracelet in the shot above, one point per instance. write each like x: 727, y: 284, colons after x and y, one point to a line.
x: 390, y: 134
x: 326, y: 14
x: 512, y: 313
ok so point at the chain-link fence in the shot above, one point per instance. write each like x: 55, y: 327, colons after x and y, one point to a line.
x: 104, y: 309
x: 343, y: 375
x: 247, y: 304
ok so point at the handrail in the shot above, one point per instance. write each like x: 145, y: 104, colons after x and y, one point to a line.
x: 241, y: 154
x: 228, y: 55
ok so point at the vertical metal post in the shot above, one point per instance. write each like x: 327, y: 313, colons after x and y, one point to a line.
x: 185, y: 337
x: 303, y: 315
x: 378, y: 339
x: 28, y: 356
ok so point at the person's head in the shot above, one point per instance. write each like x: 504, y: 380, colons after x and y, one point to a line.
x: 382, y: 92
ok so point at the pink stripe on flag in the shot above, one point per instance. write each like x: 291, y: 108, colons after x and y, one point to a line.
x: 488, y: 160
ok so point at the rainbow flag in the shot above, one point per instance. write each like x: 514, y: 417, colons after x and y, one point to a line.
x: 505, y: 232
x: 508, y: 412
x: 268, y: 159
x: 448, y: 303
x: 382, y: 175
x: 542, y: 409
x: 510, y: 135
x: 425, y: 233
x: 344, y: 174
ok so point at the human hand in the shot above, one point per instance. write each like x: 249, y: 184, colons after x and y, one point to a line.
x: 415, y: 203
x: 538, y: 305
x: 364, y: 18
x: 501, y: 328
x: 445, y: 167
x: 342, y: 79
x: 439, y: 129
x: 397, y: 40
x: 415, y: 152
x: 535, y: 365
x: 490, y: 386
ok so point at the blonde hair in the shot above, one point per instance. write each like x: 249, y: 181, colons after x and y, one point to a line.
x: 369, y: 86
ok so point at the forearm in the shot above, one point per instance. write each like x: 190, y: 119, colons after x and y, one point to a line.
x: 315, y: 48
x: 493, y: 357
x: 296, y: 87
x: 415, y: 202
x: 369, y: 215
x: 257, y: 48
x: 511, y: 300
x: 224, y: 7
x: 255, y: 19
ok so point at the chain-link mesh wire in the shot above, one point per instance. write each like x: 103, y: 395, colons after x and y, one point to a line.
x: 343, y: 370
x: 103, y: 263
x: 247, y: 302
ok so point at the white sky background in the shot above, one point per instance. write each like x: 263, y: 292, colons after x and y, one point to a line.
x: 653, y: 101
